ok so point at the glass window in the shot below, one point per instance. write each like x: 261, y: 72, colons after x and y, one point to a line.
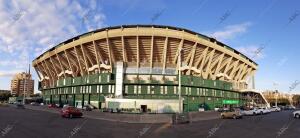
x: 148, y: 89
x: 175, y: 89
x: 126, y: 89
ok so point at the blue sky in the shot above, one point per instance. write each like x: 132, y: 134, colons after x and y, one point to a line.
x: 272, y: 27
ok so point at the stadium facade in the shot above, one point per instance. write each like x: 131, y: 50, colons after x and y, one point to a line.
x: 137, y: 67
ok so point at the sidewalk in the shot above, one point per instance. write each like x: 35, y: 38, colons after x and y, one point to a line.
x: 132, y: 118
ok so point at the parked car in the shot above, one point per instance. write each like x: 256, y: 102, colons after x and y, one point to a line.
x: 290, y: 107
x: 70, y: 112
x: 275, y: 109
x: 52, y: 106
x: 34, y: 104
x: 65, y: 105
x: 296, y: 114
x: 88, y: 107
x: 223, y: 109
x: 20, y: 106
x: 267, y: 110
x: 262, y: 110
x: 251, y: 111
x: 232, y: 113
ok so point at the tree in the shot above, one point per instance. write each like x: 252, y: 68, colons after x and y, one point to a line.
x: 4, y: 96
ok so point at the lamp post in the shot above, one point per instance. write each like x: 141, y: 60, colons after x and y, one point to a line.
x: 24, y: 82
x: 179, y: 83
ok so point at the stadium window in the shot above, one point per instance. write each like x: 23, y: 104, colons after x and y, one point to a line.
x: 100, y: 88
x: 175, y: 89
x: 166, y: 89
x: 64, y: 81
x: 140, y: 89
x: 97, y: 89
x: 135, y: 89
x: 198, y: 91
x: 161, y: 89
x: 99, y: 78
x: 149, y: 90
x: 126, y: 89
x: 109, y: 88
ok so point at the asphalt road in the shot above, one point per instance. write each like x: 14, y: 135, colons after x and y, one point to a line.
x: 25, y: 123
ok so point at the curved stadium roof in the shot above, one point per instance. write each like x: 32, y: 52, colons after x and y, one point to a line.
x: 143, y: 46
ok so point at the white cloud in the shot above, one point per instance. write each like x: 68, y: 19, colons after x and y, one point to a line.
x: 231, y: 31
x: 29, y: 28
x: 9, y: 73
x: 254, y: 52
x: 282, y: 61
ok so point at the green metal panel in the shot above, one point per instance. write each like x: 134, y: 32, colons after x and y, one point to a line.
x: 77, y: 91
x: 170, y: 90
x: 104, y: 78
x: 156, y: 89
x: 78, y: 97
x: 56, y: 99
x: 197, y: 81
x: 63, y: 99
x: 94, y: 89
x: 144, y: 89
x: 209, y: 92
x: 183, y: 91
x: 105, y: 89
x: 194, y: 91
x: 77, y: 81
x: 86, y: 99
x: 101, y: 98
x: 60, y: 82
x: 186, y: 80
x: 218, y: 93
x: 68, y: 81
x: 130, y: 89
x: 93, y: 79
x: 69, y: 90
x: 210, y: 102
x: 70, y: 99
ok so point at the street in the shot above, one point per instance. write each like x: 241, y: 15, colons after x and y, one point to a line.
x: 26, y: 123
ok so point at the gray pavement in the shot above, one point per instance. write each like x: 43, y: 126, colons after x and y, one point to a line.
x: 25, y: 123
x: 134, y: 118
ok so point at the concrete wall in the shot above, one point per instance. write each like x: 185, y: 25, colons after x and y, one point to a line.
x: 156, y: 106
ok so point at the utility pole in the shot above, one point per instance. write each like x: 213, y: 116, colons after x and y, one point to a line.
x: 179, y: 83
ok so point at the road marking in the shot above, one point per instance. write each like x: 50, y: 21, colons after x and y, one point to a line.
x: 162, y: 127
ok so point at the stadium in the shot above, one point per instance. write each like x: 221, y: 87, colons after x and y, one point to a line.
x: 150, y: 68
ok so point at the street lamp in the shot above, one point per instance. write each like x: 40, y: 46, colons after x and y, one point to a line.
x: 179, y: 83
